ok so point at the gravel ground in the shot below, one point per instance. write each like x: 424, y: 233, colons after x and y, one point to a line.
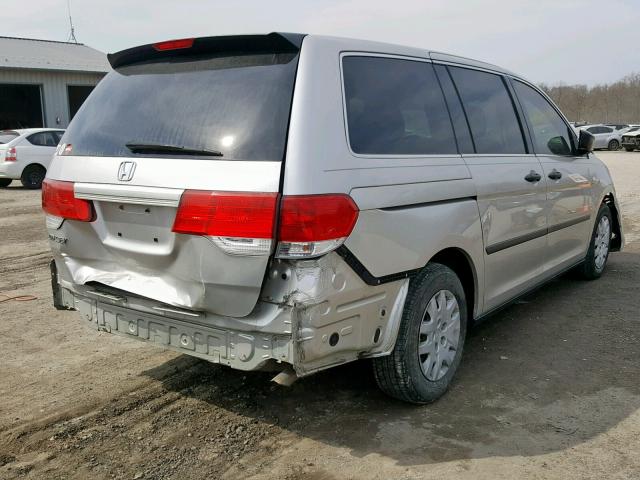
x: 547, y: 389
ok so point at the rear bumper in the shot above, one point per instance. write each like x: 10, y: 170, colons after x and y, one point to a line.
x: 238, y: 349
x: 312, y: 315
x: 11, y: 170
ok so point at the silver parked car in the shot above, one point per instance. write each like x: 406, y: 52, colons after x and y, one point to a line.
x: 293, y: 203
x: 606, y: 137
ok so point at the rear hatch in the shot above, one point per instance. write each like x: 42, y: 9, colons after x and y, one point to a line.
x: 178, y: 152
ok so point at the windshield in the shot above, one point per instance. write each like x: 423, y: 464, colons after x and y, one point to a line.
x: 236, y: 107
x: 7, y: 135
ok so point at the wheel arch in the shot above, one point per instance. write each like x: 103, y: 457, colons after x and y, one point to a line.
x: 461, y: 263
x: 37, y: 164
x: 617, y: 242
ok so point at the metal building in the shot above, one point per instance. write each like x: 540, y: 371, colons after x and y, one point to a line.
x: 43, y: 83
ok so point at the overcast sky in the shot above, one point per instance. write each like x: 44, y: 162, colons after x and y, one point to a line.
x: 552, y: 41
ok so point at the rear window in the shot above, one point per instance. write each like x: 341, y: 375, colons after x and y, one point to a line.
x: 44, y: 139
x: 395, y: 107
x: 7, y: 135
x: 238, y: 106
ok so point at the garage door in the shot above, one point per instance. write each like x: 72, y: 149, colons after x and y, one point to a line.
x: 20, y: 106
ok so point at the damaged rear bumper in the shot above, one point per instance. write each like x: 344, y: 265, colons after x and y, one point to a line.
x: 238, y: 349
x: 312, y: 315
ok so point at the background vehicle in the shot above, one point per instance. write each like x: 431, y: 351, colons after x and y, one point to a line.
x: 606, y: 137
x: 26, y: 154
x: 235, y: 221
x: 617, y: 126
x: 631, y: 139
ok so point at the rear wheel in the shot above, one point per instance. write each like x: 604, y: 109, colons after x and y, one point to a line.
x: 32, y: 176
x: 430, y: 339
x: 5, y: 182
x: 599, y: 247
x: 613, y: 145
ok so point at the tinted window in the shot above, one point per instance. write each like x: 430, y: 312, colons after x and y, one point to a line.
x: 43, y: 139
x: 236, y: 105
x: 458, y: 118
x: 607, y: 130
x: 395, y: 107
x: 493, y: 121
x: 550, y: 133
x: 594, y: 130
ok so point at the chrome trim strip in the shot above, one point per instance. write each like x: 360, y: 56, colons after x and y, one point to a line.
x: 158, y: 196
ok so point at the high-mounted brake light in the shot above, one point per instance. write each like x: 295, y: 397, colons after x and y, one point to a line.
x: 11, y: 155
x: 240, y: 223
x: 312, y: 225
x: 59, y: 200
x: 174, y: 44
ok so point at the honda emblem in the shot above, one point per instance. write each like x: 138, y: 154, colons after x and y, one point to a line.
x: 126, y: 170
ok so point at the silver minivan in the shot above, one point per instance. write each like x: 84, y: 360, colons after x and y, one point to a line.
x: 292, y: 202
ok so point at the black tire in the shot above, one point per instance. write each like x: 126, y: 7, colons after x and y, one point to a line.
x: 5, y: 182
x: 400, y: 375
x: 613, y: 145
x: 629, y: 149
x: 32, y: 176
x: 590, y: 270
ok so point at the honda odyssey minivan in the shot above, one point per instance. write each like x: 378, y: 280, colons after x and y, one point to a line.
x: 292, y: 202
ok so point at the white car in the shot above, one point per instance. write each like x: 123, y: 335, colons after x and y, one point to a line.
x: 606, y: 137
x: 25, y: 155
x: 631, y: 139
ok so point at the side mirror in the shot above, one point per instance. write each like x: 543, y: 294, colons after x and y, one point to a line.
x: 585, y: 142
x: 558, y: 146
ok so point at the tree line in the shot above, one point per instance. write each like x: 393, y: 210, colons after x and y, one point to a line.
x: 617, y: 102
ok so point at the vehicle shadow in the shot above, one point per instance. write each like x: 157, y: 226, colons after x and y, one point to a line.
x: 552, y: 371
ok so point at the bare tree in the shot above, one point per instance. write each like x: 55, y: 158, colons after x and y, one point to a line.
x: 618, y: 102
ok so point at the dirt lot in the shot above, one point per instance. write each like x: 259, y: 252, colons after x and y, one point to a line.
x: 549, y: 388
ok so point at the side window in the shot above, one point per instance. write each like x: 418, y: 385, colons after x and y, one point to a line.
x: 550, y: 133
x: 43, y: 139
x: 494, y: 124
x: 395, y: 107
x: 460, y: 125
x: 593, y: 130
x: 607, y: 130
x: 58, y: 136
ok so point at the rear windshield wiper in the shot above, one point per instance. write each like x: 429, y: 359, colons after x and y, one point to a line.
x: 173, y: 149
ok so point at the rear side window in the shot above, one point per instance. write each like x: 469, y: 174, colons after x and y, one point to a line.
x: 492, y: 118
x: 395, y: 107
x: 44, y: 139
x: 550, y: 133
x: 7, y: 135
x: 235, y: 105
x: 460, y: 125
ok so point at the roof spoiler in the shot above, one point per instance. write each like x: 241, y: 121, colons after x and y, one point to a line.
x: 232, y: 44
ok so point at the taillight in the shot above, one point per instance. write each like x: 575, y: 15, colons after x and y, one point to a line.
x: 11, y: 155
x: 311, y: 225
x: 59, y: 200
x: 174, y: 44
x: 240, y: 223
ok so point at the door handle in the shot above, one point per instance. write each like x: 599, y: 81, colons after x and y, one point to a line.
x: 533, y: 177
x: 555, y: 175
